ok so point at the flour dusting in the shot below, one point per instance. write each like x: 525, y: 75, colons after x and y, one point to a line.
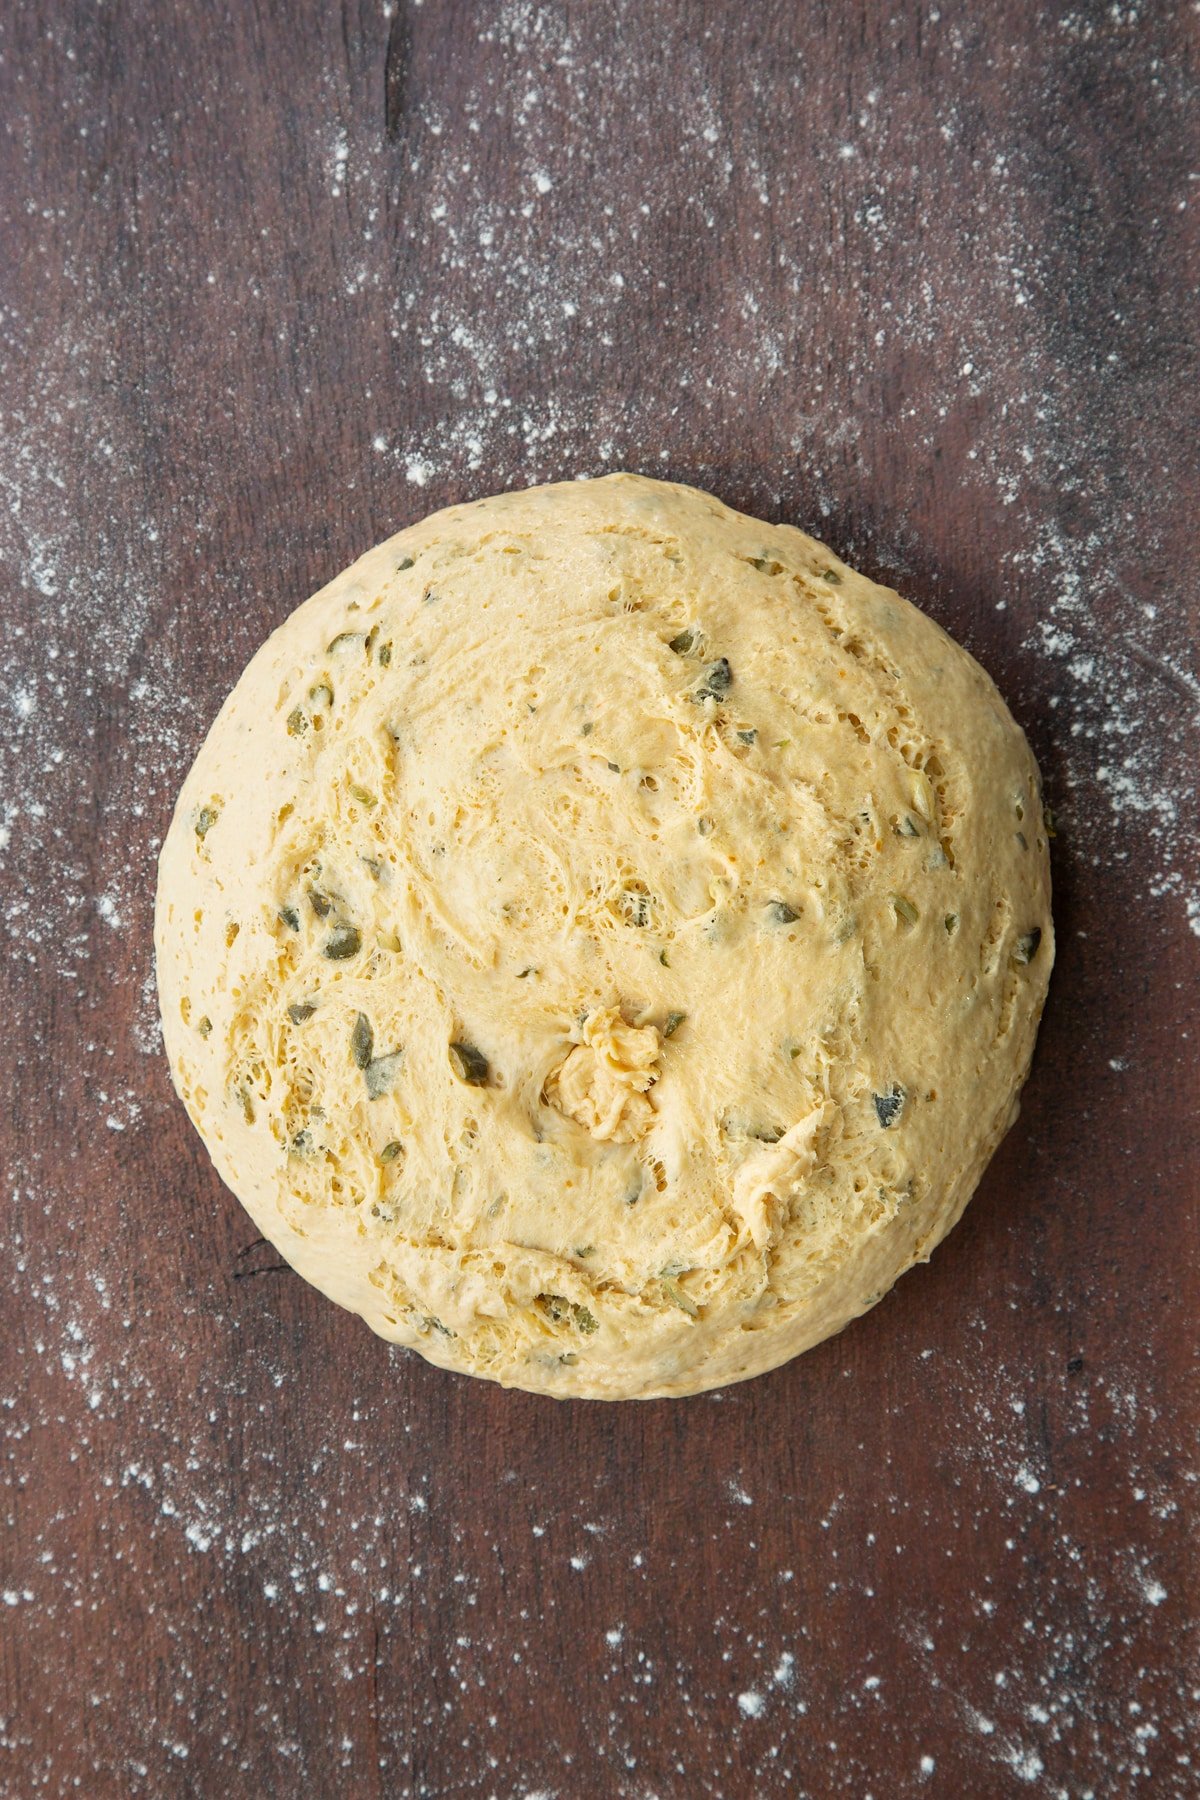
x: 923, y: 319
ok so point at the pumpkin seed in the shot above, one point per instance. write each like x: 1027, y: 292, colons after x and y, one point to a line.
x: 362, y: 1041
x: 889, y: 1106
x: 781, y: 913
x: 718, y: 679
x: 635, y: 907
x: 391, y: 1151
x: 676, y: 1295
x: 290, y: 917
x: 343, y: 942
x: 904, y: 909
x: 206, y: 818
x: 674, y: 1021
x: 683, y: 643
x: 381, y: 1072
x: 561, y: 1311
x: 1027, y: 946
x: 470, y: 1064
x: 301, y: 1010
x: 923, y: 796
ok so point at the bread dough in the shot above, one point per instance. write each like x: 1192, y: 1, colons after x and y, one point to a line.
x: 602, y: 938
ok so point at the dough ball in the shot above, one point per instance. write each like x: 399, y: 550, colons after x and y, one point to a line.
x: 602, y: 938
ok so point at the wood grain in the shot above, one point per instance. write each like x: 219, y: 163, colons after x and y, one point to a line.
x: 277, y: 278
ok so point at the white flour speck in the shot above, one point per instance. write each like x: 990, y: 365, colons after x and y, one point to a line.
x: 1026, y: 1765
x: 339, y: 157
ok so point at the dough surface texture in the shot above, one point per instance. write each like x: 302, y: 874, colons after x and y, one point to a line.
x: 602, y: 938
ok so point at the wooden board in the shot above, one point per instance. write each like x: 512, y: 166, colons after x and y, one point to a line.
x: 276, y: 279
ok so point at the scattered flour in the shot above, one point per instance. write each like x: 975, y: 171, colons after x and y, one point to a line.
x: 504, y: 337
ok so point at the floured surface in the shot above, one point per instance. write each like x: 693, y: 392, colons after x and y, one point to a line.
x: 602, y: 938
x: 912, y: 282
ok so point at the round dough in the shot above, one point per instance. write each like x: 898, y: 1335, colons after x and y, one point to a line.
x: 602, y: 938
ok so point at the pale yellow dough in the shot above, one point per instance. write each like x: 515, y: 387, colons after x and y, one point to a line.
x: 724, y: 868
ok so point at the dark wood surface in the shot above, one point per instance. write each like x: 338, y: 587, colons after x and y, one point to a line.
x: 277, y: 278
